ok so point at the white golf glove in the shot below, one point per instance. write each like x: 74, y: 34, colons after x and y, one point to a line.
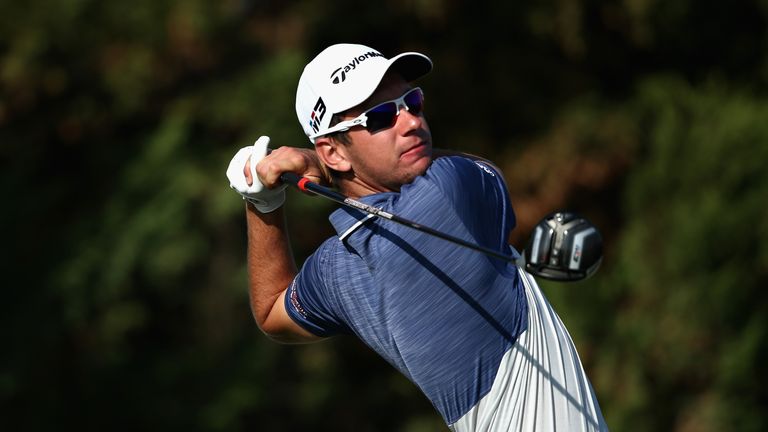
x: 265, y: 200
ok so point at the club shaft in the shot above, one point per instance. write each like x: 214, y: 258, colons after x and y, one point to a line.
x: 303, y: 184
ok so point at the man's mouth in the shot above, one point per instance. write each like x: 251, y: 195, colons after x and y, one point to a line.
x: 415, y: 149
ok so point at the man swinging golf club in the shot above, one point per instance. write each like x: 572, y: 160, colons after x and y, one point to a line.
x: 473, y: 331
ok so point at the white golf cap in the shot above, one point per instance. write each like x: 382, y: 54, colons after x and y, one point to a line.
x: 345, y: 75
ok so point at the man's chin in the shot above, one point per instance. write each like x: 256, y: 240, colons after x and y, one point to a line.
x: 419, y: 168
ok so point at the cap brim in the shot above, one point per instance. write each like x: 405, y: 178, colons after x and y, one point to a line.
x: 411, y: 65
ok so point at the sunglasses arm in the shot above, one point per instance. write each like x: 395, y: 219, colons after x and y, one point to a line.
x: 344, y: 126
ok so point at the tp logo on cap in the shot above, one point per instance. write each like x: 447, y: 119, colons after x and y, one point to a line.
x: 340, y: 77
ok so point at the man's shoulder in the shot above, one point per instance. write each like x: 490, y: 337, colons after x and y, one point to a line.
x: 461, y: 173
x: 318, y: 267
x: 463, y: 163
x: 328, y: 248
x: 451, y: 160
x: 334, y: 253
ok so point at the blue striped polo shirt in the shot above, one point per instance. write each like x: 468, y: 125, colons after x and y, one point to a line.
x: 443, y: 315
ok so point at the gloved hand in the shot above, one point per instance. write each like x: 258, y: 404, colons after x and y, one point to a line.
x: 265, y: 200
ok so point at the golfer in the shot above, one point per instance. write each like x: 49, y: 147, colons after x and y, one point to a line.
x: 473, y: 332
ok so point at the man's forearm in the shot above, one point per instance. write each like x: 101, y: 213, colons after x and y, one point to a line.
x: 271, y: 267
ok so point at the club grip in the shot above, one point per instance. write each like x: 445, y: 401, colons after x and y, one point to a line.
x: 290, y: 178
x: 294, y: 179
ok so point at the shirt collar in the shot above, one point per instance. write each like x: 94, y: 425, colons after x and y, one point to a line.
x: 346, y: 220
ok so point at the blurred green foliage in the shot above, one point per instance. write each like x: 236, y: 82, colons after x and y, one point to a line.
x: 126, y: 302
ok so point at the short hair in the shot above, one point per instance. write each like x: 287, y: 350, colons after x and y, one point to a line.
x: 340, y: 136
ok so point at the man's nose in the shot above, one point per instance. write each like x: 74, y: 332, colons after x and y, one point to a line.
x: 405, y: 115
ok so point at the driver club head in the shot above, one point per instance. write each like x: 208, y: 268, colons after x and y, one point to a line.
x: 564, y: 247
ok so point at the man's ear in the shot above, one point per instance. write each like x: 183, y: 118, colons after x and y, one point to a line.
x: 332, y: 153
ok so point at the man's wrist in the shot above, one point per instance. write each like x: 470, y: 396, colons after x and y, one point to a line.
x: 267, y: 203
x: 266, y: 216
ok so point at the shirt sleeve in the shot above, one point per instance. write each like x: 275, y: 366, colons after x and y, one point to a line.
x: 309, y: 300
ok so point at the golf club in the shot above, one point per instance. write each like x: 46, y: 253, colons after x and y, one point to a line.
x: 541, y: 263
x: 305, y: 185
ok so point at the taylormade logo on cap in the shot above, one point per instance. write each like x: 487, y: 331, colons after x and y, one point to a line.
x: 343, y: 76
x: 340, y: 74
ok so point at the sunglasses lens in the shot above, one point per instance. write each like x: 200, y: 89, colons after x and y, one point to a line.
x: 381, y: 117
x: 415, y: 101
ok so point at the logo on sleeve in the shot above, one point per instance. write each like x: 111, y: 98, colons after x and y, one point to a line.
x: 485, y: 168
x: 295, y: 301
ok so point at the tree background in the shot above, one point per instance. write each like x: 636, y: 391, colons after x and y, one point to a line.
x: 124, y: 282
